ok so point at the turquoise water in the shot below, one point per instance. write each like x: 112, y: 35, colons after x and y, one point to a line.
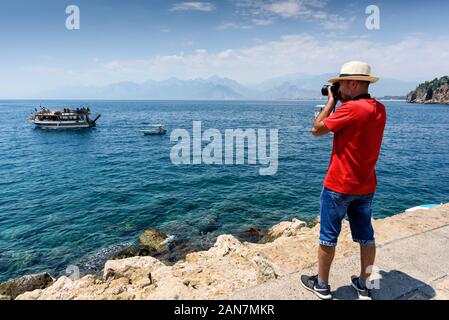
x: 71, y: 196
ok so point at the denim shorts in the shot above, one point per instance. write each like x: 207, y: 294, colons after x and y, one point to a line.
x: 334, y: 207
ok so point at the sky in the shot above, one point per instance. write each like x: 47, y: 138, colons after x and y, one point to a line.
x: 246, y: 40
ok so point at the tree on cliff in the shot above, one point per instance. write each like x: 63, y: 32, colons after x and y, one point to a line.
x: 434, y: 84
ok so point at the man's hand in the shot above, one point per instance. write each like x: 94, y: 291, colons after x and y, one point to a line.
x: 319, y: 129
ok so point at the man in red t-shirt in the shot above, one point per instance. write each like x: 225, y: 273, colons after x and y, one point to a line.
x: 358, y: 126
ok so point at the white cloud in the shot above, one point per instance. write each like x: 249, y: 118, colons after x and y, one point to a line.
x: 199, y: 6
x: 233, y: 25
x: 312, y: 10
x: 415, y: 57
x: 334, y: 22
x: 262, y: 22
x: 286, y: 9
x: 316, y: 3
x: 250, y: 25
x: 294, y: 53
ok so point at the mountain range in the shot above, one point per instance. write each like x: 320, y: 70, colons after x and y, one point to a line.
x: 290, y: 87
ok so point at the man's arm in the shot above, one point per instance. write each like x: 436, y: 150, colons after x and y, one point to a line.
x: 319, y: 129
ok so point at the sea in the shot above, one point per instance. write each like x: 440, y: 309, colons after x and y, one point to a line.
x: 73, y: 197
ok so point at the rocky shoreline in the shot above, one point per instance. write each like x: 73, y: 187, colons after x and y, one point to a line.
x: 228, y: 266
x: 433, y: 92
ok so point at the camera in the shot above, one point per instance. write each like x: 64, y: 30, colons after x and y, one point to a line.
x: 334, y: 88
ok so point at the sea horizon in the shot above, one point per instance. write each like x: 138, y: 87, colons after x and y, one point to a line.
x: 324, y: 99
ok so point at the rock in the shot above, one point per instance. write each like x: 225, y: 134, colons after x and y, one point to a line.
x: 441, y: 95
x: 265, y: 269
x: 128, y: 252
x: 251, y: 235
x: 129, y: 267
x: 65, y: 289
x: 316, y: 221
x: 229, y: 265
x: 435, y: 91
x: 227, y: 244
x: 283, y: 229
x: 225, y: 267
x: 169, y: 286
x: 94, y: 263
x: 16, y: 287
x: 181, y: 229
x: 207, y: 223
x: 152, y: 240
x: 177, y: 252
x: 156, y: 244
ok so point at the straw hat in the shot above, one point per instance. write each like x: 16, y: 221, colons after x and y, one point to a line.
x: 355, y: 70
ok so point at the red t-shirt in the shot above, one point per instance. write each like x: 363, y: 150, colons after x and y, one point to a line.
x: 358, y: 126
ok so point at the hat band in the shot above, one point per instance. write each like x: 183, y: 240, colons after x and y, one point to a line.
x: 343, y: 75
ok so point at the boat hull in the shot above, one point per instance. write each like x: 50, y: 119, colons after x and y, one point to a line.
x: 62, y: 125
x: 150, y: 133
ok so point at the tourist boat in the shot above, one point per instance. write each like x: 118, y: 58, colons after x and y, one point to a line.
x: 65, y: 118
x: 157, y: 129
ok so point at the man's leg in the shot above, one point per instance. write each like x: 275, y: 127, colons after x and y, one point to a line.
x: 360, y: 215
x: 319, y: 284
x: 325, y: 258
x: 333, y: 208
x: 367, y: 257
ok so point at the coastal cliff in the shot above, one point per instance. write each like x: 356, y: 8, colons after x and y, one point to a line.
x: 230, y: 265
x: 433, y: 92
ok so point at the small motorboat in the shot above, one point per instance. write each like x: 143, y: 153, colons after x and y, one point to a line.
x: 318, y: 109
x: 156, y: 129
